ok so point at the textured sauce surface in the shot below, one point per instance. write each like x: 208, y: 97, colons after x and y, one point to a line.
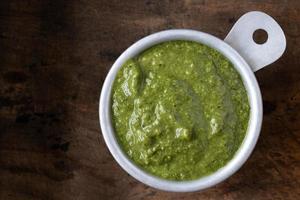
x: 180, y: 110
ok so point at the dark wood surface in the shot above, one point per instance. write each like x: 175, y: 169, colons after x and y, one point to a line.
x: 54, y: 56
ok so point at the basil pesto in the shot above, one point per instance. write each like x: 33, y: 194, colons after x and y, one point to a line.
x: 180, y: 110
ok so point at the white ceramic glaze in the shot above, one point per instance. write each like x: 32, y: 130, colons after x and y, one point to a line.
x: 257, y: 55
x: 250, y: 84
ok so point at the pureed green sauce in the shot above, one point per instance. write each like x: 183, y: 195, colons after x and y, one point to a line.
x: 180, y: 110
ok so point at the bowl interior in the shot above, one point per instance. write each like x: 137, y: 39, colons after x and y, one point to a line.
x: 254, y: 124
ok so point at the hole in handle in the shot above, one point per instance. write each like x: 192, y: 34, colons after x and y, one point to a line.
x: 260, y: 36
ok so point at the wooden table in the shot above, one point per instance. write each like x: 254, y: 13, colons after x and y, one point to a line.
x: 54, y: 57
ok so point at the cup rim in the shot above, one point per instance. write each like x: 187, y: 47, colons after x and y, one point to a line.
x: 254, y: 124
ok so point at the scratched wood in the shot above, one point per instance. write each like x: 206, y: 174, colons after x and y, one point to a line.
x: 54, y: 56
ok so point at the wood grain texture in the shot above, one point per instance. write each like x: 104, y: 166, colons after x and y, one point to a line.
x: 54, y: 56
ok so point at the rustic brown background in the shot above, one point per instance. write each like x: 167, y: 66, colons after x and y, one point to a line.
x: 54, y: 56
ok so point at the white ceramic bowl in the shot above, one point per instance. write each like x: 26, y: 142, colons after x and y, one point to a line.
x: 245, y: 55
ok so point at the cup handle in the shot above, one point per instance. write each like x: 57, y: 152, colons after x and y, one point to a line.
x: 256, y: 55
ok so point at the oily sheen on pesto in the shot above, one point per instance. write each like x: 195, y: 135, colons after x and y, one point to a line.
x: 180, y: 110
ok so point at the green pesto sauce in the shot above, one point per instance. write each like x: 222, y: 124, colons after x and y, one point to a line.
x: 180, y: 110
